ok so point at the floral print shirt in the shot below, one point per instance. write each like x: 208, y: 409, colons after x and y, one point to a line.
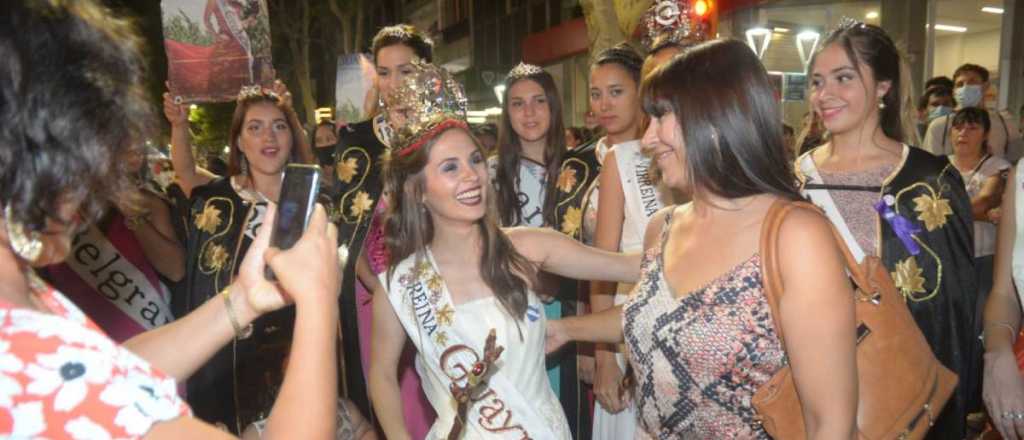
x: 62, y: 377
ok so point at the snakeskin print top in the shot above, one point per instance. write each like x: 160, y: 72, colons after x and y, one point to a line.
x: 699, y: 357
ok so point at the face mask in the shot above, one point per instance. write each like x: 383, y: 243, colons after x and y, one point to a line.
x: 968, y: 96
x: 939, y: 112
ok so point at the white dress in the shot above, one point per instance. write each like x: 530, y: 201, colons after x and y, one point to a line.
x: 522, y: 362
x: 642, y: 199
x: 518, y: 400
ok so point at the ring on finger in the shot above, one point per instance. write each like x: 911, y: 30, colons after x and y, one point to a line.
x: 1015, y: 415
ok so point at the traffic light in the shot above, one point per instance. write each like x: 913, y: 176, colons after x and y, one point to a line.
x: 705, y: 16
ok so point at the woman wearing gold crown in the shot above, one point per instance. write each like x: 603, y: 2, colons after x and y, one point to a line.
x: 459, y: 287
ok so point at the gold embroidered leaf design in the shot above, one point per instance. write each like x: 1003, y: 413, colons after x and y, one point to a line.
x: 567, y: 180
x: 423, y: 269
x: 208, y: 220
x: 446, y: 315
x: 441, y: 338
x: 907, y: 277
x: 572, y: 220
x: 434, y: 283
x: 361, y: 204
x: 932, y: 211
x: 215, y: 257
x: 347, y: 170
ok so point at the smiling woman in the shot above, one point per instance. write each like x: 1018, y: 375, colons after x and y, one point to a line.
x: 460, y: 288
x: 894, y: 201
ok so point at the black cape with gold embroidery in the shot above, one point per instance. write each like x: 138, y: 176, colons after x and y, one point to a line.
x: 357, y: 189
x: 238, y: 385
x: 580, y: 169
x: 940, y: 282
x: 930, y: 192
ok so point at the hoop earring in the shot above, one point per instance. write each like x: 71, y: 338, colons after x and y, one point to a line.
x: 25, y: 245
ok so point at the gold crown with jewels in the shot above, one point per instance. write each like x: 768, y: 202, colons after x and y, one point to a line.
x: 430, y: 101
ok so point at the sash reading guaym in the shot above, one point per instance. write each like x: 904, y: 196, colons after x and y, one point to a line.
x: 423, y: 305
x: 823, y: 199
x: 642, y: 197
x: 104, y: 268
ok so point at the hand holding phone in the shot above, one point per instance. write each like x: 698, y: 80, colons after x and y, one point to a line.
x: 299, y: 190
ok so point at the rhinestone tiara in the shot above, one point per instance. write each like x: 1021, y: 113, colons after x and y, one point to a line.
x: 669, y: 21
x: 430, y: 100
x: 255, y: 91
x: 397, y: 31
x: 523, y: 70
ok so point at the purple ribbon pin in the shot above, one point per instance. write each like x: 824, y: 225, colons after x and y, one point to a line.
x: 904, y: 228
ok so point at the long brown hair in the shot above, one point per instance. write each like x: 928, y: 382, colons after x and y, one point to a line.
x: 726, y: 108
x: 409, y: 228
x: 869, y: 45
x: 300, y: 150
x: 510, y: 150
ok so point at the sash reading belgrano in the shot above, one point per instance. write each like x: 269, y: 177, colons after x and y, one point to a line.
x: 424, y: 306
x: 101, y: 266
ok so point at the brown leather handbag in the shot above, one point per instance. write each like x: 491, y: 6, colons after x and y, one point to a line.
x: 902, y: 387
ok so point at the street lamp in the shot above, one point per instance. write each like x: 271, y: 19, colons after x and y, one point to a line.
x: 806, y: 44
x: 759, y: 47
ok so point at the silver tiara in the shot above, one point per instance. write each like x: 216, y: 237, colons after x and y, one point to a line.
x: 256, y: 90
x: 523, y: 70
x: 397, y: 31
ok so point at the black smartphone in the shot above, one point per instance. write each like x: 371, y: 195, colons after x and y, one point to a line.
x: 294, y: 207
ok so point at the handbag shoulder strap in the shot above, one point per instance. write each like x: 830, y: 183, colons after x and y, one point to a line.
x: 769, y: 249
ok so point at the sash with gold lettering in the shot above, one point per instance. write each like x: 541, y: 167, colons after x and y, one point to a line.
x: 424, y: 306
x: 109, y: 278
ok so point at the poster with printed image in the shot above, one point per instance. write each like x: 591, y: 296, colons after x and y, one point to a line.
x: 214, y: 47
x: 354, y: 96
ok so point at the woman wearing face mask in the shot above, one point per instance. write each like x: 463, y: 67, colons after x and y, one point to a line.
x: 970, y: 83
x: 359, y: 216
x: 983, y: 177
x: 936, y: 102
x: 698, y: 326
x: 457, y: 278
x: 896, y: 202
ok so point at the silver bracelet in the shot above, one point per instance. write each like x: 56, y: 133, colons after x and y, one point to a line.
x: 1003, y: 324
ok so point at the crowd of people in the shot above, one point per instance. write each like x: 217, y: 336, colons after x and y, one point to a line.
x: 562, y: 283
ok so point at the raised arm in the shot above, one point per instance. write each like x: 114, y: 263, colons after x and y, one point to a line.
x: 988, y: 198
x: 306, y: 405
x: 186, y: 172
x: 818, y: 321
x: 387, y: 341
x: 555, y: 252
x: 1003, y: 388
x: 155, y: 234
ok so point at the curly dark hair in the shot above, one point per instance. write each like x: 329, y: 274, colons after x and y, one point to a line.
x: 73, y: 107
